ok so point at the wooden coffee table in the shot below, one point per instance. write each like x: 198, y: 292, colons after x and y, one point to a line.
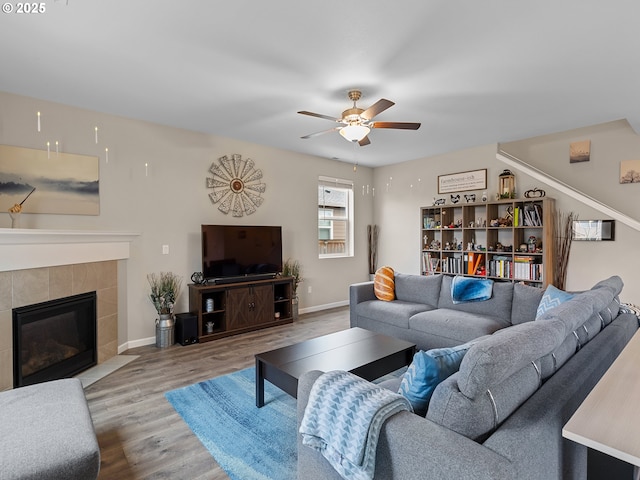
x: 362, y: 352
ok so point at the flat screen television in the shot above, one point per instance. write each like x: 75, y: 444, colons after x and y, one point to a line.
x: 231, y: 252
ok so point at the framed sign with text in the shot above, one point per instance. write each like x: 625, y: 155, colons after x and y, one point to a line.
x: 463, y: 181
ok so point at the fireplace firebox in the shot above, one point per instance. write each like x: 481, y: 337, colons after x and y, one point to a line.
x: 54, y: 339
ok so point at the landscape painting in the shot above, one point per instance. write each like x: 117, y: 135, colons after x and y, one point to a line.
x: 580, y: 151
x: 55, y: 182
x: 630, y: 171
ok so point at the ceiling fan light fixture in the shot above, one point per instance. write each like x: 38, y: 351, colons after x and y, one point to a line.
x: 354, y: 133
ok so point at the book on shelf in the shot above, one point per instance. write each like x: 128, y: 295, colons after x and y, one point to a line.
x: 471, y: 263
x: 435, y: 262
x: 477, y: 263
x: 501, y: 266
x: 532, y: 215
x: 527, y: 268
x: 451, y: 264
x: 430, y: 263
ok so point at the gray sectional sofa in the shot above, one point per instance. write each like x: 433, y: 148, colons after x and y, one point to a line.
x: 501, y: 415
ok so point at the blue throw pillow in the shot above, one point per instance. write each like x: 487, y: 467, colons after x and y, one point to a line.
x: 551, y: 299
x: 427, y: 370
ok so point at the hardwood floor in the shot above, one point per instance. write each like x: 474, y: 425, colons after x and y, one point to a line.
x: 141, y: 436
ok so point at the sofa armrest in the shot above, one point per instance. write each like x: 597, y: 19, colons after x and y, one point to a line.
x: 361, y: 292
x: 358, y: 293
x: 410, y: 448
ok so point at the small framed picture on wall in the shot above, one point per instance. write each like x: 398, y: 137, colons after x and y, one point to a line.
x: 580, y: 151
x: 630, y: 171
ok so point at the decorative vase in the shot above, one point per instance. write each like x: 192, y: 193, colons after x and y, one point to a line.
x: 294, y: 308
x: 165, y: 330
x: 15, y: 219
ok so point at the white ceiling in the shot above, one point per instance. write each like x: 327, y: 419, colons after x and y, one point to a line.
x: 472, y: 72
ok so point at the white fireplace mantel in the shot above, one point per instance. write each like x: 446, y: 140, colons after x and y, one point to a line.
x: 22, y: 248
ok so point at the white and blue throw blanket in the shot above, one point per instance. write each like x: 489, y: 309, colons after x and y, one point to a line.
x: 343, y: 419
x: 467, y: 289
x: 630, y: 308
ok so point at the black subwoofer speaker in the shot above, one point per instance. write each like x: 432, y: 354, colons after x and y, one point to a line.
x: 186, y: 328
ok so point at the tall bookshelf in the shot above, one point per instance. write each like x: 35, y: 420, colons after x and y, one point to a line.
x: 506, y: 240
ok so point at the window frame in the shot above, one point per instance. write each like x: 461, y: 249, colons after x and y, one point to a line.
x: 345, y: 186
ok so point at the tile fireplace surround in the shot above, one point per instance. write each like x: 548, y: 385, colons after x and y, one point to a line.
x: 40, y: 265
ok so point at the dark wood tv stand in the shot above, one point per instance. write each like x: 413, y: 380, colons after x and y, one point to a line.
x: 241, y: 306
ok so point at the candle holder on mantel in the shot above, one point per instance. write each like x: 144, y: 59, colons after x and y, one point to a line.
x: 506, y: 185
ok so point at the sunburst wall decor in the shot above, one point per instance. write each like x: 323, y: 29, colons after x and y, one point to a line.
x: 237, y: 185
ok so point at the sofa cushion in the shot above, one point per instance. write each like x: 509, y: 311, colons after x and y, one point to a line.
x: 499, y: 373
x: 498, y: 306
x: 384, y: 284
x: 614, y: 284
x: 496, y: 376
x: 606, y: 299
x: 418, y: 288
x: 584, y: 316
x: 573, y: 313
x: 525, y: 303
x: 490, y: 362
x: 610, y: 312
x: 552, y: 362
x: 454, y: 326
x: 395, y: 313
x: 552, y: 298
x: 477, y: 417
x: 426, y: 371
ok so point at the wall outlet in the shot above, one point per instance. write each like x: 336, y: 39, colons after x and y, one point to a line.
x: 165, y: 249
x: 309, y: 289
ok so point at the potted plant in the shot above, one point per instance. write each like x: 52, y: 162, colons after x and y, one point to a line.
x: 292, y: 268
x: 165, y: 289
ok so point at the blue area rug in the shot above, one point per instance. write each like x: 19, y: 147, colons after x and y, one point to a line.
x: 247, y: 442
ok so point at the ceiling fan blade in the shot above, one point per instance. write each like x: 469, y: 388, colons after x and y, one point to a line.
x: 377, y: 108
x: 399, y: 125
x: 365, y: 141
x: 319, y: 115
x: 311, y: 135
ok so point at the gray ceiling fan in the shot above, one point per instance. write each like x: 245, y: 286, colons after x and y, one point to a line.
x: 356, y: 123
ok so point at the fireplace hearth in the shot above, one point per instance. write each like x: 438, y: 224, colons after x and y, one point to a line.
x: 54, y: 339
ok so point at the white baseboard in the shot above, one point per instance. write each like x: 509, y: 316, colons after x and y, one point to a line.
x: 136, y: 343
x: 326, y: 306
x: 151, y: 340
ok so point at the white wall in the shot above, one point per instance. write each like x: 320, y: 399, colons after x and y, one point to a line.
x: 397, y: 210
x: 611, y: 143
x: 406, y: 187
x: 167, y: 202
x: 168, y: 205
